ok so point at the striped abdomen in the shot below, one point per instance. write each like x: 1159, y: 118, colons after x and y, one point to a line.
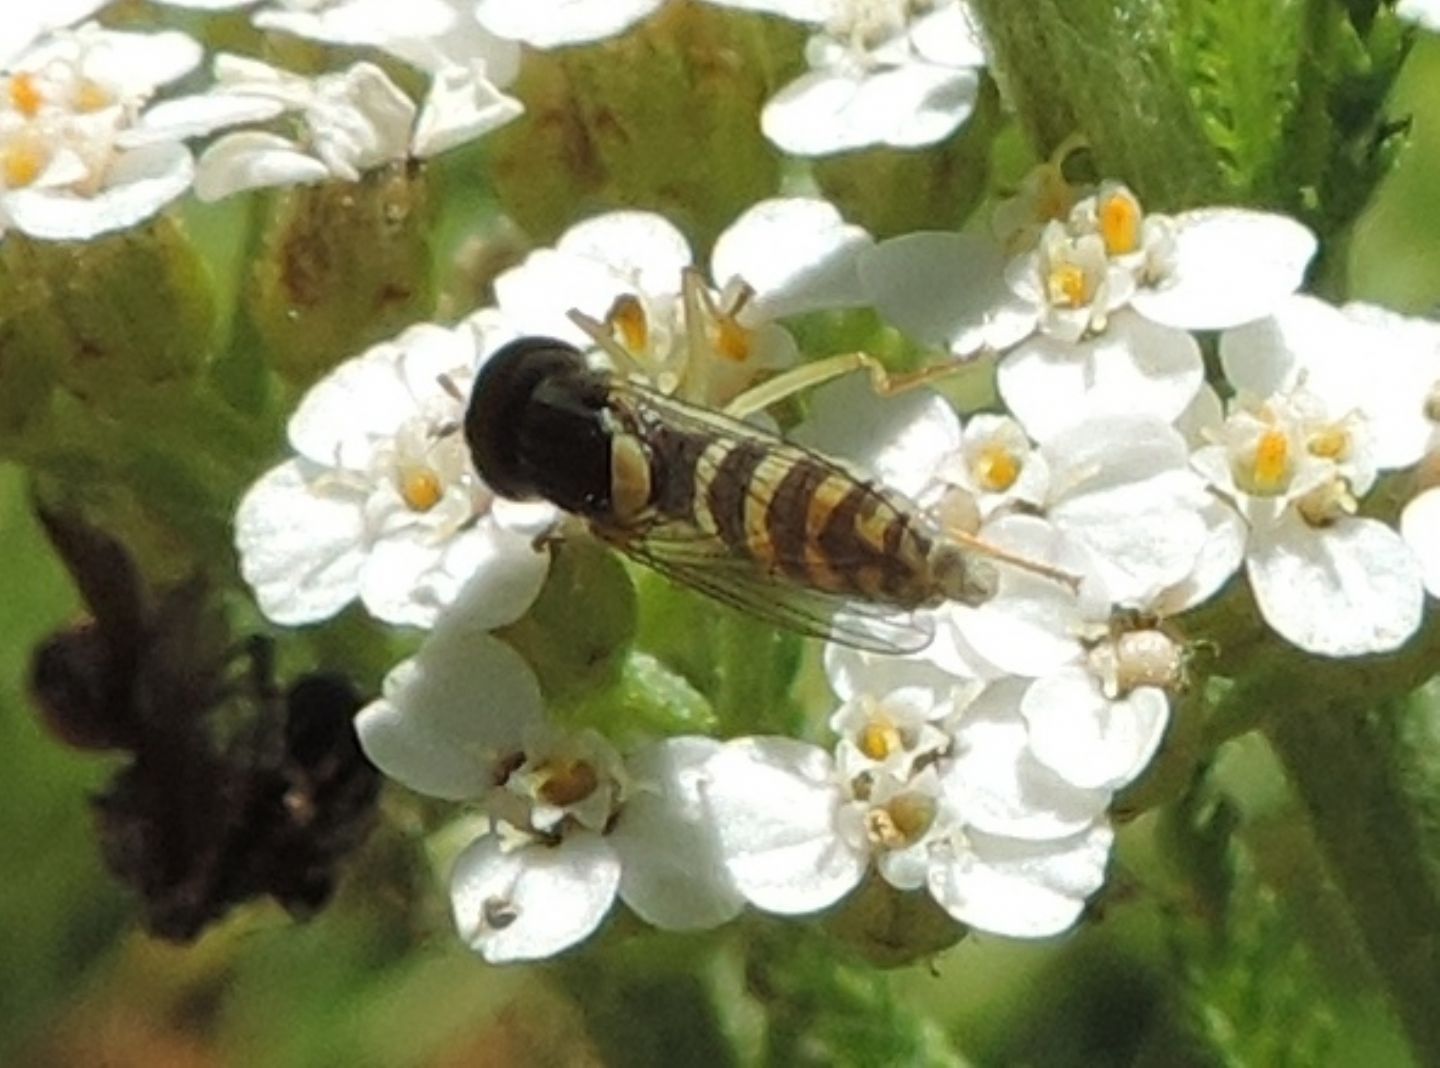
x: 794, y: 514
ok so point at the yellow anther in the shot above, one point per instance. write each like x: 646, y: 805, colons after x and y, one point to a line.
x: 879, y: 738
x: 92, y: 97
x: 731, y: 340
x: 421, y: 489
x: 1328, y: 503
x: 900, y: 822
x: 25, y: 95
x: 566, y: 782
x: 1120, y: 224
x: 1272, y: 462
x: 628, y: 323
x: 996, y: 468
x: 21, y: 165
x: 1067, y: 286
x: 1330, y: 443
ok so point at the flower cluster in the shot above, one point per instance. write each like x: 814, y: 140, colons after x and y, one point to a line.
x: 85, y: 148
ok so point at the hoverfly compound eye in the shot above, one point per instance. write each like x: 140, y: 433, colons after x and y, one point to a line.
x: 496, y: 418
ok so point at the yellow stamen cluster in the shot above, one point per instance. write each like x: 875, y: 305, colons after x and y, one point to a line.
x: 1120, y: 224
x: 1328, y: 504
x: 731, y: 340
x: 879, y: 738
x: 1067, y: 286
x: 627, y: 321
x: 566, y: 782
x: 996, y: 468
x: 900, y: 822
x: 1270, y: 468
x: 21, y: 163
x: 421, y: 489
x: 25, y: 95
x: 91, y: 97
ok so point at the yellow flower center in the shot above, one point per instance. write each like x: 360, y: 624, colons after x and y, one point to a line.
x: 997, y: 468
x: 879, y: 738
x: 1271, y: 466
x: 1330, y: 443
x: 901, y: 821
x: 1120, y: 224
x: 421, y: 489
x: 92, y: 97
x: 566, y: 782
x: 21, y: 163
x: 1067, y: 286
x: 731, y: 340
x: 25, y: 95
x: 628, y: 323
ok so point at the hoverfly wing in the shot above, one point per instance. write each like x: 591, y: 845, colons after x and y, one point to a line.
x: 690, y: 557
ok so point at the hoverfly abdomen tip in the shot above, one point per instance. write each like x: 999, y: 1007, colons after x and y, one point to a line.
x: 963, y: 576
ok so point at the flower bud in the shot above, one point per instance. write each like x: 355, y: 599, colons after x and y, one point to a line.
x: 941, y: 183
x: 664, y: 117
x: 576, y: 634
x: 341, y: 266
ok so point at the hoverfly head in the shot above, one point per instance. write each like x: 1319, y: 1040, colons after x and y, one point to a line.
x: 537, y: 425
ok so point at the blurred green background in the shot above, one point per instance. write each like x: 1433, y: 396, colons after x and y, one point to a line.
x: 370, y: 983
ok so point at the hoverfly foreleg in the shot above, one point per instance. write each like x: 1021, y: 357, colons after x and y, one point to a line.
x: 810, y: 375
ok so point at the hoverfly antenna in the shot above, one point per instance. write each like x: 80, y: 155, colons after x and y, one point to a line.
x: 994, y: 552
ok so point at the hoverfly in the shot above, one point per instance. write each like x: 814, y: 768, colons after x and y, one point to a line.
x: 752, y: 520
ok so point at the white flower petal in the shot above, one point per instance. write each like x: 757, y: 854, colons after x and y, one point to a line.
x: 300, y: 538
x: 139, y: 183
x: 551, y: 23
x: 452, y: 714
x: 461, y: 105
x: 1088, y: 739
x: 898, y: 439
x: 775, y: 802
x: 674, y: 871
x: 1420, y: 526
x: 642, y: 246
x: 797, y: 253
x: 1022, y: 889
x: 1231, y: 266
x: 199, y: 116
x: 1220, y: 557
x: 946, y: 289
x: 905, y: 107
x: 1345, y: 590
x: 1133, y: 367
x: 253, y: 160
x: 993, y: 782
x: 534, y: 901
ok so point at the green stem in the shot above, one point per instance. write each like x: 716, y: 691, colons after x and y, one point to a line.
x: 1105, y: 69
x: 1342, y: 760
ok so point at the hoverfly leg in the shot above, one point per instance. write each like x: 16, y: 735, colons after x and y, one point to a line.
x: 811, y: 375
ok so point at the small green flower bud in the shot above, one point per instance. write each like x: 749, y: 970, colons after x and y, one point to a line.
x: 341, y: 266
x: 941, y: 183
x: 576, y: 634
x: 663, y: 118
x: 109, y: 320
x: 891, y: 928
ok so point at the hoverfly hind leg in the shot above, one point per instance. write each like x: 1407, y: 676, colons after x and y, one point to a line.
x: 884, y: 382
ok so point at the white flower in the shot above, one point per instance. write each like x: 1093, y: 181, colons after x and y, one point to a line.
x: 1420, y: 527
x: 66, y: 104
x: 572, y: 824
x: 25, y: 24
x: 431, y: 35
x: 551, y: 23
x: 800, y: 829
x: 1324, y: 579
x: 1383, y: 366
x: 345, y: 123
x: 1425, y: 13
x: 881, y: 73
x: 380, y: 501
x: 625, y: 271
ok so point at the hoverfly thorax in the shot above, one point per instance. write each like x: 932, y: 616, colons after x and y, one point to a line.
x: 539, y: 426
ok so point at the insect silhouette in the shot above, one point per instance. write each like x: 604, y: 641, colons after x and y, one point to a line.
x: 742, y: 515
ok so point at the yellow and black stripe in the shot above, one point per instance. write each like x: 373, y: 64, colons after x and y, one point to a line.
x: 793, y: 514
